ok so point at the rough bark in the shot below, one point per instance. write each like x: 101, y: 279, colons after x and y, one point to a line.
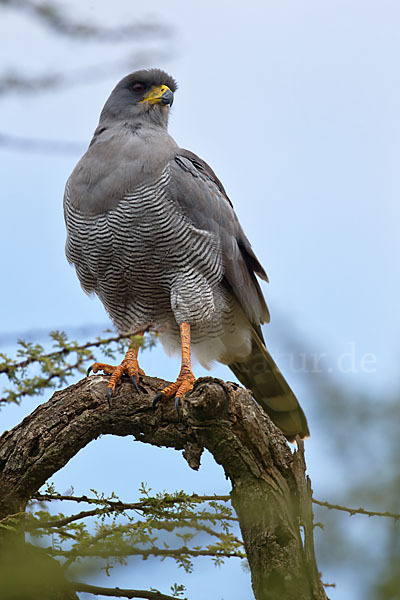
x: 270, y: 493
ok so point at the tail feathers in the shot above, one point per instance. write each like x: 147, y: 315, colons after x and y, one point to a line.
x: 259, y: 373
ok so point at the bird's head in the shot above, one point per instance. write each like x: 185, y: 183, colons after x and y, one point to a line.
x: 143, y: 95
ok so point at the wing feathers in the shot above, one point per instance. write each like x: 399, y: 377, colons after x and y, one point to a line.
x: 203, y: 199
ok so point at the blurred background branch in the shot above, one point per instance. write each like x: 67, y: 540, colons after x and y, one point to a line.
x: 55, y: 17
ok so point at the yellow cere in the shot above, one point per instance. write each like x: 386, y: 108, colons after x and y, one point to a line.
x: 155, y: 94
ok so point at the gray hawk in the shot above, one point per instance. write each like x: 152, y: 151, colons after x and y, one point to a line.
x: 152, y: 232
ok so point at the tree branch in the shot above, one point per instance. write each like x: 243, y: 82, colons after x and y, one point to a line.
x: 53, y: 147
x: 118, y: 592
x: 358, y: 511
x: 102, y: 511
x: 184, y: 551
x: 108, y: 506
x: 119, y: 505
x: 270, y: 493
x: 69, y: 349
x: 53, y: 16
x: 66, y: 520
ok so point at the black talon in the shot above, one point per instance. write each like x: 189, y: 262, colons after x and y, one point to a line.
x: 109, y: 394
x: 88, y: 371
x: 177, y: 400
x: 156, y: 400
x: 133, y: 378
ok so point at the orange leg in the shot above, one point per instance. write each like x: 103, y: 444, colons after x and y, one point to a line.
x: 128, y: 366
x: 186, y: 379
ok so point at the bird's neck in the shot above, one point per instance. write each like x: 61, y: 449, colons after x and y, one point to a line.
x: 141, y: 129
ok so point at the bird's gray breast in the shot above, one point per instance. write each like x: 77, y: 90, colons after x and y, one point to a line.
x: 145, y: 259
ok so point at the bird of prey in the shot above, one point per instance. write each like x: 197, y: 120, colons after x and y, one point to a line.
x: 152, y: 232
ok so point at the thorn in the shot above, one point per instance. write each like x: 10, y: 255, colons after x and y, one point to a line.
x: 88, y: 371
x: 109, y: 394
x: 135, y: 385
x: 156, y: 400
x: 177, y: 400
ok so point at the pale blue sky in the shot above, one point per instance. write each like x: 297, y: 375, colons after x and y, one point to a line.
x: 295, y: 106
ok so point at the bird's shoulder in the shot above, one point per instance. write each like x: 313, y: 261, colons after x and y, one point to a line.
x: 191, y: 163
x: 117, y: 161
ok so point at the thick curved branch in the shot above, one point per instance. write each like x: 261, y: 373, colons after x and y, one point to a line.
x: 270, y: 493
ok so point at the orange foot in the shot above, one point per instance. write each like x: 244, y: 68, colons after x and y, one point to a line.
x: 182, y: 385
x: 129, y: 366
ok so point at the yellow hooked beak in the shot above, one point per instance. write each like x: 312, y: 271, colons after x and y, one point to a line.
x: 159, y: 94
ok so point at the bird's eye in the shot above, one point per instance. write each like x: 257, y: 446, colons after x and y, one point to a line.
x: 138, y: 87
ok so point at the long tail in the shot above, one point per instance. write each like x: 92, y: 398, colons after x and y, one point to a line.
x: 260, y: 374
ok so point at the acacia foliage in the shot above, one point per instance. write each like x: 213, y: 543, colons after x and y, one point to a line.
x: 106, y: 531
